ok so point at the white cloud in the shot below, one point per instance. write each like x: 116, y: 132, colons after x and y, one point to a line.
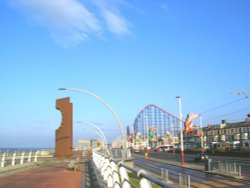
x: 114, y: 20
x: 116, y: 23
x: 70, y: 21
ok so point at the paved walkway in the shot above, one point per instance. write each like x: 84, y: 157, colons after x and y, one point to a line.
x: 50, y: 175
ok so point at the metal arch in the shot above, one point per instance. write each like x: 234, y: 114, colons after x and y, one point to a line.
x: 161, y: 116
x: 153, y: 105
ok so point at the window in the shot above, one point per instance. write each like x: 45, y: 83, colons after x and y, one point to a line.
x: 236, y: 136
x: 223, y: 138
x: 245, y: 136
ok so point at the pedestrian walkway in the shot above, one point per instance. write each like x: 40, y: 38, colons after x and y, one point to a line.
x: 47, y: 175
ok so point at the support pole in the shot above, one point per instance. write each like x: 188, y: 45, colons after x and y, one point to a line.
x: 181, y: 132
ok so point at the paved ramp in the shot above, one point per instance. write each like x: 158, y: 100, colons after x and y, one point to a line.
x: 46, y: 176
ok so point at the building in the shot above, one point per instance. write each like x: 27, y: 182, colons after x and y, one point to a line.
x: 193, y: 139
x: 233, y: 135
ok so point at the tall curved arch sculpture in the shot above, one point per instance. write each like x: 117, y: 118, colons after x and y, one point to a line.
x: 64, y: 133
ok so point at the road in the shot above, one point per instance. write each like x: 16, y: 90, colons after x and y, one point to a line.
x: 186, y: 176
x: 242, y: 162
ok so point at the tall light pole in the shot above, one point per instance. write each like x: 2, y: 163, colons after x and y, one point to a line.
x: 133, y: 136
x: 181, y: 131
x: 123, y: 135
x: 202, y: 141
x: 103, y: 141
x: 100, y: 133
x: 146, y: 122
x: 100, y: 140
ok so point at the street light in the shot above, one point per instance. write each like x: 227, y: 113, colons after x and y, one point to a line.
x: 123, y: 135
x: 105, y: 144
x: 100, y: 133
x: 100, y: 140
x: 147, y: 137
x: 181, y: 131
x: 202, y: 141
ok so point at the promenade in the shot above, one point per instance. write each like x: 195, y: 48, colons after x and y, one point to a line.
x: 50, y: 174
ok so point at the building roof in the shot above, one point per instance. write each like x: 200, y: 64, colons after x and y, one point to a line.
x: 227, y: 126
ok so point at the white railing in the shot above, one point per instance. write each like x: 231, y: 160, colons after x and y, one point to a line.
x: 115, y: 173
x: 13, y: 159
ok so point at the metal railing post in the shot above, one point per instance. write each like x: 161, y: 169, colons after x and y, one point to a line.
x: 13, y: 159
x: 166, y: 176
x: 104, y: 166
x: 107, y: 170
x: 239, y: 170
x: 144, y: 183
x: 126, y: 184
x: 219, y: 166
x: 116, y: 178
x: 115, y: 174
x: 35, y: 158
x: 29, y: 158
x: 188, y: 183
x: 3, y: 160
x: 102, y: 163
x: 235, y: 168
x: 162, y: 174
x: 22, y: 157
x: 180, y: 180
x: 124, y: 175
x: 109, y: 181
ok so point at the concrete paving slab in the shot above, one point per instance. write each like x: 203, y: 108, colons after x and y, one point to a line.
x: 52, y: 175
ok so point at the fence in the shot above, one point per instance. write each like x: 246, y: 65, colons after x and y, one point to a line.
x: 12, y: 159
x: 115, y: 174
x: 228, y: 168
x: 168, y: 175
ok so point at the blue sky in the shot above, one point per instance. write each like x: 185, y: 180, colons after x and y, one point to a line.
x: 130, y: 53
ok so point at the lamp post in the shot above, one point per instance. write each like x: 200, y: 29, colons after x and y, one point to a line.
x: 123, y: 135
x: 133, y: 135
x: 181, y: 131
x: 202, y: 141
x: 147, y: 137
x: 103, y: 142
x: 99, y: 132
x: 100, y: 140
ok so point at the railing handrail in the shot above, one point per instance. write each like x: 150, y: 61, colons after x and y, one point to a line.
x: 140, y: 173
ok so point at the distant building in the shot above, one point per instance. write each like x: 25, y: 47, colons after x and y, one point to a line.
x: 221, y: 135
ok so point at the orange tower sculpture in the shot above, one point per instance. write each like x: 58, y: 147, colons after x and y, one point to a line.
x: 64, y: 132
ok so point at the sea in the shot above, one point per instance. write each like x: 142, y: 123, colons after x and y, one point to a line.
x: 19, y: 150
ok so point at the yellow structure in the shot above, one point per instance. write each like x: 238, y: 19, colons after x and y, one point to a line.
x: 89, y: 143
